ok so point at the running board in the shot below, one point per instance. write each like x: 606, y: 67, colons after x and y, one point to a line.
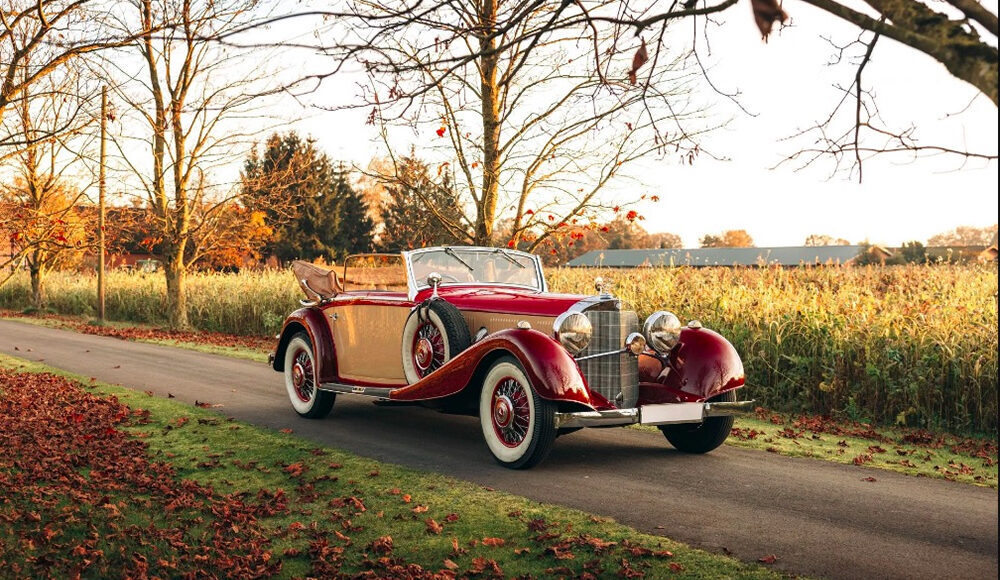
x: 381, y: 393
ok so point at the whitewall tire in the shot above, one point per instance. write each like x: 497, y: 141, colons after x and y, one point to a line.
x: 300, y: 380
x: 434, y: 333
x: 518, y: 425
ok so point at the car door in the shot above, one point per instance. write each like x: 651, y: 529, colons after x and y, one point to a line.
x: 366, y: 329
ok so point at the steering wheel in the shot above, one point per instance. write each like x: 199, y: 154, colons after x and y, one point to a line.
x: 449, y: 277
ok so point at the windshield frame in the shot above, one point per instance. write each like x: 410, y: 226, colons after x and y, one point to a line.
x: 414, y: 286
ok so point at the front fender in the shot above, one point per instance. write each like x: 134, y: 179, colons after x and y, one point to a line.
x: 552, y: 371
x: 311, y: 321
x: 701, y: 366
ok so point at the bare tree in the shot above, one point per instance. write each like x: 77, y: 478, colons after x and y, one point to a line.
x: 961, y: 35
x: 727, y: 239
x: 192, y: 98
x: 38, y: 39
x: 528, y: 119
x: 42, y: 203
x: 965, y: 236
x: 825, y: 240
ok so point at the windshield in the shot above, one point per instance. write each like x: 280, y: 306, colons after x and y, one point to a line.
x: 476, y: 266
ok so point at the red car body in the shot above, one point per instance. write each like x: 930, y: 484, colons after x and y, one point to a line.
x: 353, y: 335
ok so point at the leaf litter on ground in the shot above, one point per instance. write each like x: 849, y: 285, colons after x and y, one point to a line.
x: 97, y: 488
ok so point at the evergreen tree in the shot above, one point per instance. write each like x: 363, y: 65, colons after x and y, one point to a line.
x: 354, y: 232
x: 309, y: 203
x: 914, y: 253
x: 409, y: 221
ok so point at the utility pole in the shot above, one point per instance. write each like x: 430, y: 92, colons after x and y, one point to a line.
x: 100, y: 204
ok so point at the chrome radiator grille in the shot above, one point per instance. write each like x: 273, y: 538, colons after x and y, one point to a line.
x: 615, y: 377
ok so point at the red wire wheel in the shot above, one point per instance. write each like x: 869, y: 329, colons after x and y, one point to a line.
x: 428, y: 349
x: 435, y: 332
x: 303, y: 375
x: 511, y: 411
x: 518, y: 425
x: 301, y: 382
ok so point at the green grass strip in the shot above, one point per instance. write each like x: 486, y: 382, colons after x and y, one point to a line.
x: 909, y: 451
x: 437, y: 522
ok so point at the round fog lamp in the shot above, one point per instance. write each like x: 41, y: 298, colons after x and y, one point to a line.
x: 635, y: 343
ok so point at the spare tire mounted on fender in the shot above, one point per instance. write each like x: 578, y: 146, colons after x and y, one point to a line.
x: 434, y: 333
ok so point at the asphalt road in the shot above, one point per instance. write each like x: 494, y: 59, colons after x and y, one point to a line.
x: 819, y: 518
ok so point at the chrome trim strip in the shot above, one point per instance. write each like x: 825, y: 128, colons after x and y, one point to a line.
x: 381, y: 393
x: 588, y: 302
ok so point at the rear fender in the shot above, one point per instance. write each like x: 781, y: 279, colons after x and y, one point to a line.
x: 552, y: 371
x: 701, y: 366
x: 312, y: 322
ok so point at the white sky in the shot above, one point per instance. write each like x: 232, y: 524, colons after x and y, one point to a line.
x: 787, y: 84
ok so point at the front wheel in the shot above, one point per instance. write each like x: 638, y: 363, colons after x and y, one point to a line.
x: 300, y: 380
x: 518, y: 425
x: 705, y: 436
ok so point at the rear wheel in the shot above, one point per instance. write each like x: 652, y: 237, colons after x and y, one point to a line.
x: 300, y: 380
x: 518, y: 425
x: 705, y: 436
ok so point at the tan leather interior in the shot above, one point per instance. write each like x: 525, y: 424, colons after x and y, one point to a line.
x: 389, y: 276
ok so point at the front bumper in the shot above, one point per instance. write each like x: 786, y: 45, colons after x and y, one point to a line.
x: 665, y: 414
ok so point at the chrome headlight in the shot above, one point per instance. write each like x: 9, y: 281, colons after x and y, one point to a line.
x: 662, y: 330
x: 573, y: 330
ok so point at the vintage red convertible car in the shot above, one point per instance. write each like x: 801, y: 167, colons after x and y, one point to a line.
x: 475, y: 330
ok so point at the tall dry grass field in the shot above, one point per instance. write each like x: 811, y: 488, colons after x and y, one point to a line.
x: 253, y: 303
x: 914, y: 345
x: 908, y: 344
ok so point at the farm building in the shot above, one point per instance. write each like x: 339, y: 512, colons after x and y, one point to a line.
x: 990, y: 253
x: 780, y: 256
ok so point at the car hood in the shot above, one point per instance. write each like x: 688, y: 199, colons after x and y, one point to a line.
x: 503, y: 300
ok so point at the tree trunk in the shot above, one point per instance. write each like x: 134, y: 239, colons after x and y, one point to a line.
x: 38, y: 299
x: 176, y: 299
x: 486, y: 212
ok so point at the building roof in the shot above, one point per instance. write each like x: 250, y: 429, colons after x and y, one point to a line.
x: 781, y: 256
